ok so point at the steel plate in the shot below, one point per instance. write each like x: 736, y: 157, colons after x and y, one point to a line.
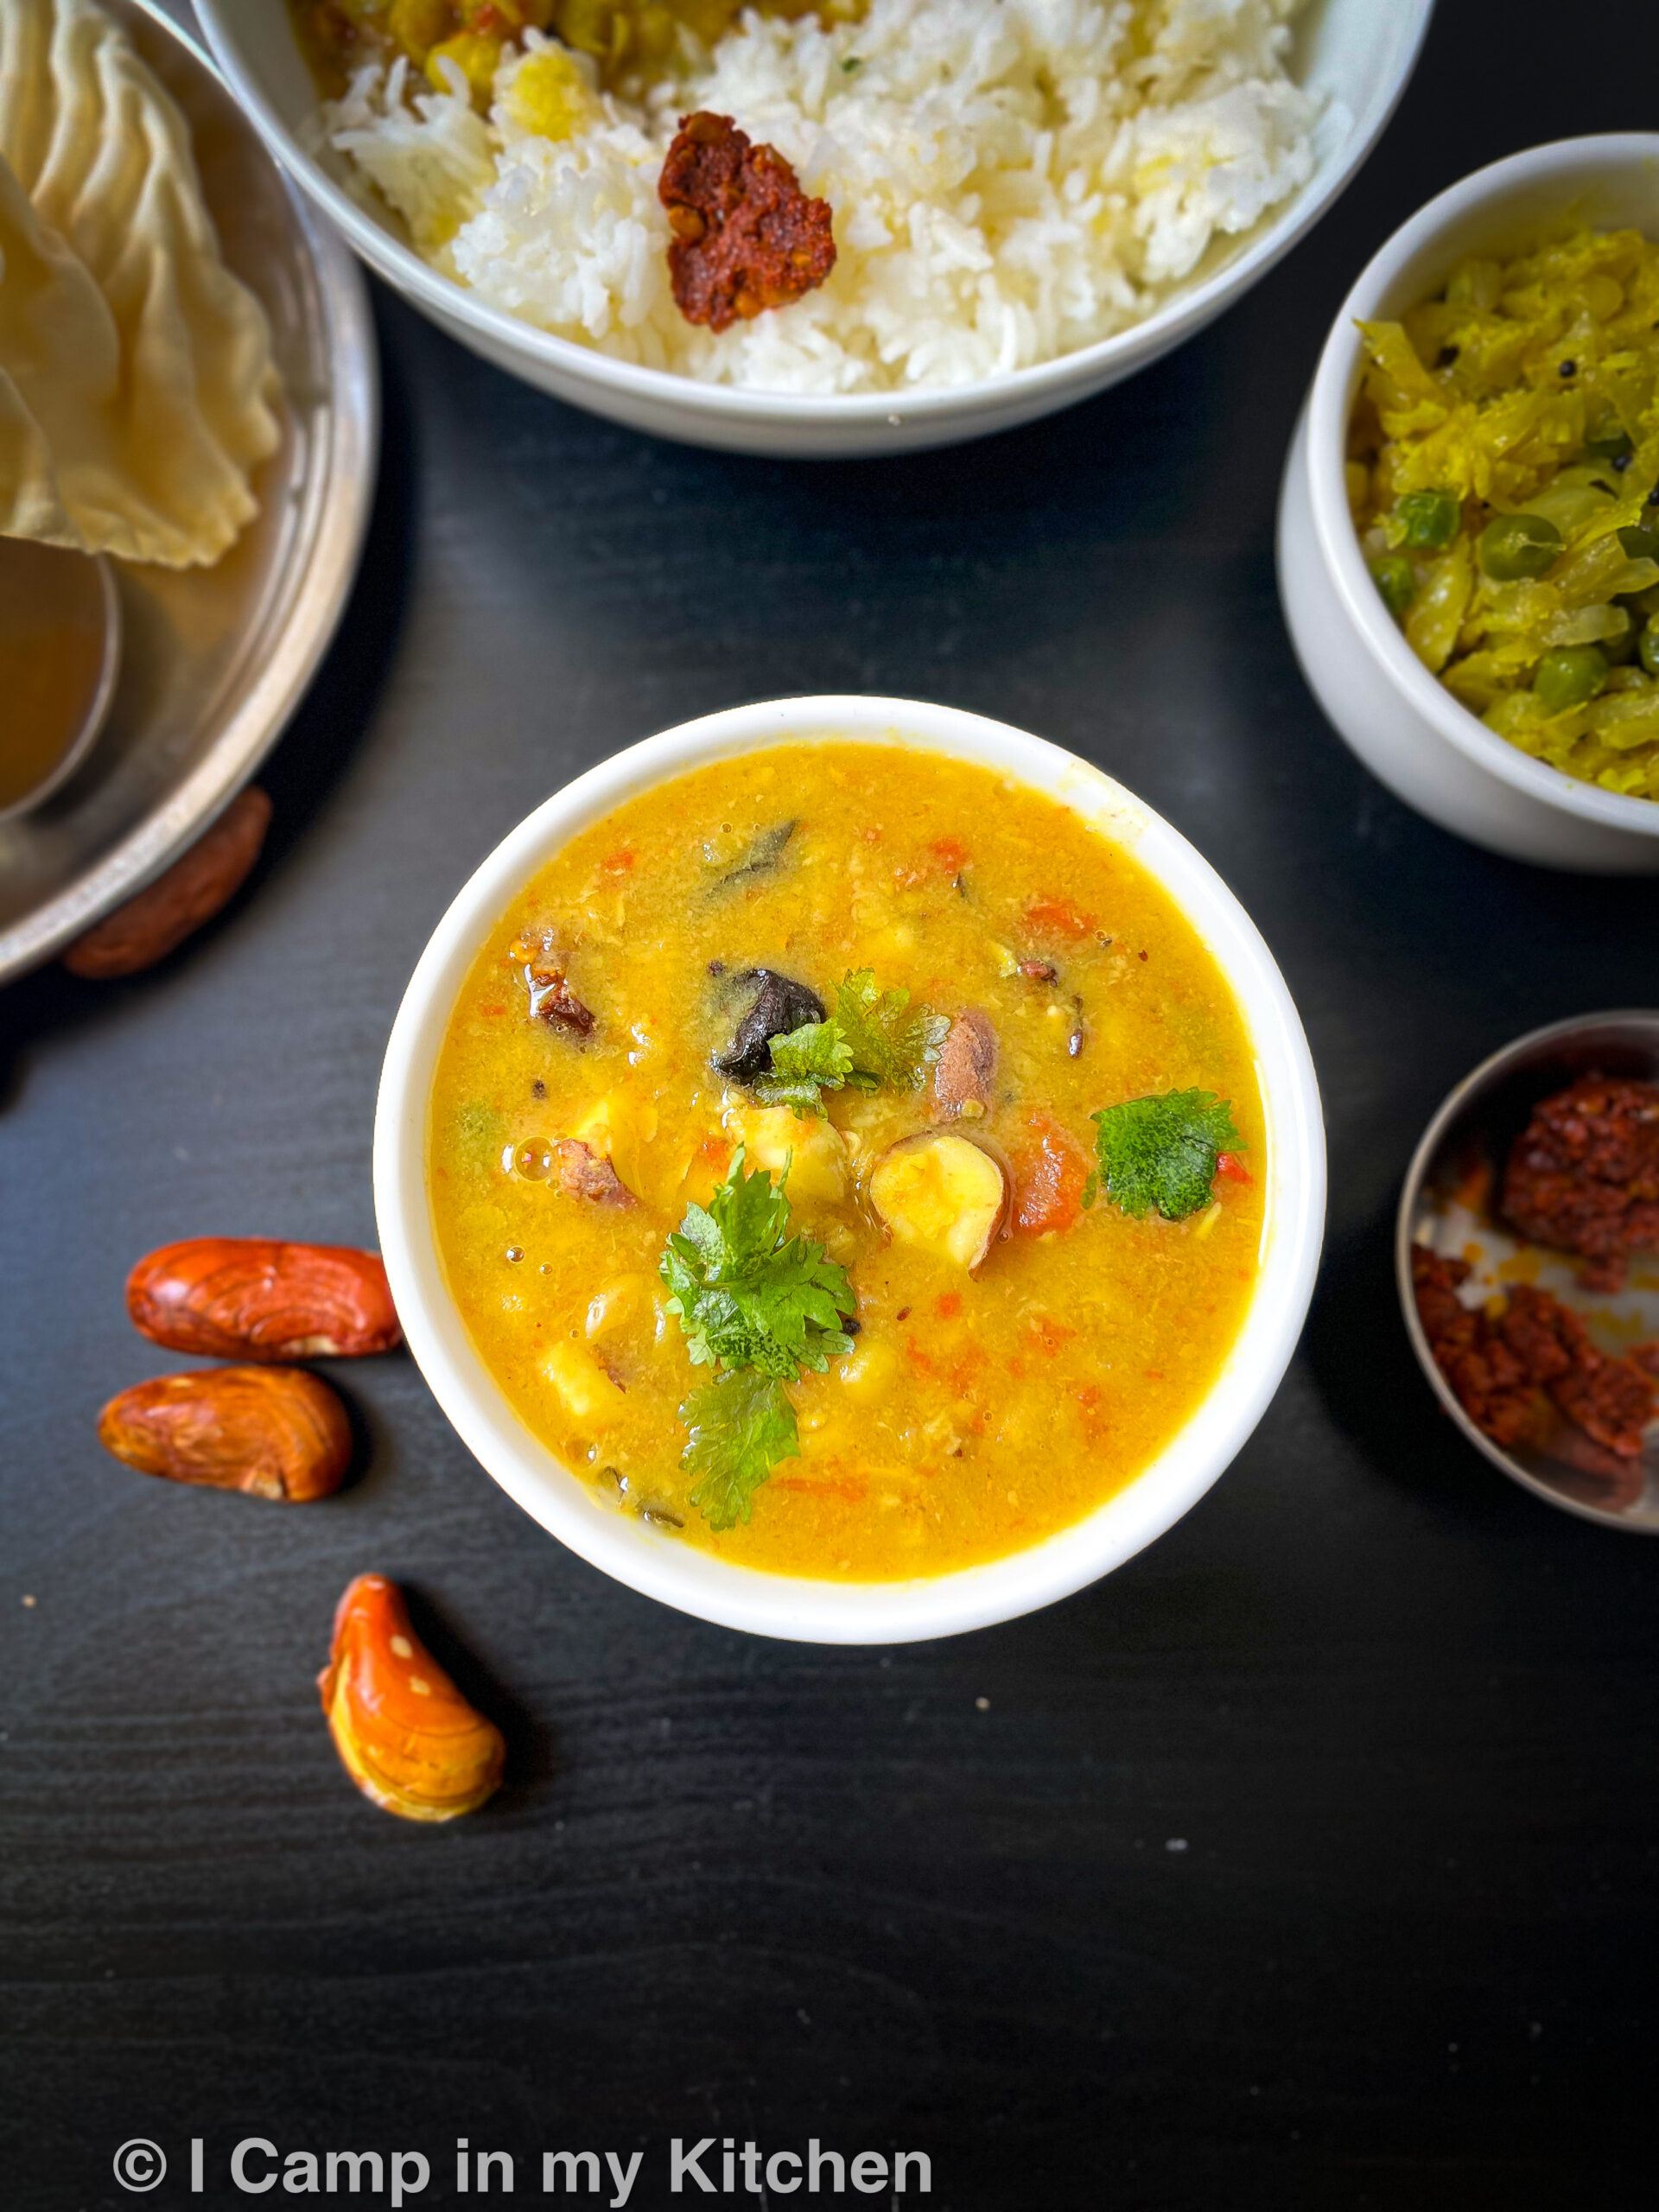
x: 216, y: 659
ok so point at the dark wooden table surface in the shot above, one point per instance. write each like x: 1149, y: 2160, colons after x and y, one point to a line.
x: 1311, y: 1860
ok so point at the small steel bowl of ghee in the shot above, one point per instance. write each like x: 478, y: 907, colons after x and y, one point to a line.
x: 59, y: 654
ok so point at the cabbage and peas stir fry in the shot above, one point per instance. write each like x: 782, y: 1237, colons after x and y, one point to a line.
x: 1503, y: 472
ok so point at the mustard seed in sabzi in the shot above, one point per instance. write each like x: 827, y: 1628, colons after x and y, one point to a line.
x: 1503, y: 472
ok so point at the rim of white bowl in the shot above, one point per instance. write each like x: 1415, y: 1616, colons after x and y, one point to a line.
x: 1179, y: 317
x: 750, y: 1598
x: 1336, y: 383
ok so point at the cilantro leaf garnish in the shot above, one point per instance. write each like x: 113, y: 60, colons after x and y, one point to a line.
x: 748, y: 1295
x: 741, y: 1426
x: 757, y: 1305
x: 1161, y: 1152
x: 873, y: 1038
x: 890, y: 1041
x: 807, y: 1061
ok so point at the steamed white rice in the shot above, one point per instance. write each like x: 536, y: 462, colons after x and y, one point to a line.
x: 1011, y: 180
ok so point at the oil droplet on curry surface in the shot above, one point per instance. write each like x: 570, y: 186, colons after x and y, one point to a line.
x: 52, y: 643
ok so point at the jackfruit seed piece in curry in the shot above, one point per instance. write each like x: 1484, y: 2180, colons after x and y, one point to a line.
x: 805, y: 1154
x: 966, y: 1068
x: 584, y: 1175
x: 551, y: 999
x: 944, y: 1194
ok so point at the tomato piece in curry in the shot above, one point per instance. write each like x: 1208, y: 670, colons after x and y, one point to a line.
x: 991, y: 1394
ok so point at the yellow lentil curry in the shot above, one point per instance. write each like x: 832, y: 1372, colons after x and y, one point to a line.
x: 849, y: 1160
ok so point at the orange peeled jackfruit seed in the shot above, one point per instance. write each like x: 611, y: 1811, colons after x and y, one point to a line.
x: 404, y: 1733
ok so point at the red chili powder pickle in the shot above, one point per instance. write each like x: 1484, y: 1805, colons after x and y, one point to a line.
x: 746, y: 236
x: 1505, y: 1372
x: 1609, y: 1399
x: 1491, y: 1383
x: 1583, y: 1176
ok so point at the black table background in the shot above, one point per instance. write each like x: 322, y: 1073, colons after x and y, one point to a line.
x: 1399, y: 1714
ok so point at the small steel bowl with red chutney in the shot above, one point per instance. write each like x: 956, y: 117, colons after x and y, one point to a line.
x: 1527, y: 1253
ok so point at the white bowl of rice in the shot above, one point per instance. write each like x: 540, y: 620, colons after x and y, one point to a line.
x: 1031, y: 198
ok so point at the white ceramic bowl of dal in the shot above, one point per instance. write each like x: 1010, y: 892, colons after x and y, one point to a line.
x: 662, y: 1566
x: 1400, y: 720
x: 1358, y: 54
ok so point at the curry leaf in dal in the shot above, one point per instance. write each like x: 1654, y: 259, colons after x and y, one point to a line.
x: 764, y: 855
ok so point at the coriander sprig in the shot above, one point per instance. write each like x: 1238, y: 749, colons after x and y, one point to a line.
x: 806, y: 1062
x: 745, y: 1294
x: 1161, y: 1152
x: 742, y: 1426
x: 873, y: 1038
x: 757, y: 1305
